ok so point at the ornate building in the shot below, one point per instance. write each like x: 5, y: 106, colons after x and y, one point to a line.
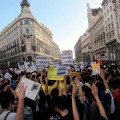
x: 97, y: 35
x: 116, y: 9
x: 109, y: 26
x: 25, y: 38
x: 86, y: 47
x: 78, y: 51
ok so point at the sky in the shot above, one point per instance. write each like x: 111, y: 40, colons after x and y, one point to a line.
x: 67, y: 19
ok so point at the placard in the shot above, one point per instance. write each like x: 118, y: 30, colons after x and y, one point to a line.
x: 92, y: 63
x: 40, y: 67
x: 31, y: 67
x: 67, y: 57
x: 22, y: 66
x: 52, y: 74
x: 7, y: 76
x: 77, y: 74
x: 41, y: 60
x: 61, y: 70
x: 95, y: 69
x: 32, y: 88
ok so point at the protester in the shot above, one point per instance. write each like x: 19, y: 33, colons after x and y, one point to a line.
x: 78, y: 96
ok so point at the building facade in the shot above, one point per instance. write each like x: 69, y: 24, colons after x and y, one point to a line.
x: 97, y: 33
x: 109, y: 26
x: 25, y: 38
x: 116, y: 9
x: 78, y: 51
x: 86, y: 47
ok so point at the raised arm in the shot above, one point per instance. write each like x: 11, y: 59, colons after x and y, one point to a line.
x: 102, y: 75
x: 65, y: 86
x: 46, y: 86
x: 74, y: 107
x: 100, y: 106
x: 80, y: 89
x: 21, y: 94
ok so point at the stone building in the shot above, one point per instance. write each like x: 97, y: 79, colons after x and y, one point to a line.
x: 86, y: 47
x: 97, y: 34
x: 109, y: 26
x: 78, y: 51
x: 116, y: 9
x: 24, y: 38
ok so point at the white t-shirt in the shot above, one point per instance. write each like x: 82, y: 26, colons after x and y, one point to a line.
x: 11, y: 116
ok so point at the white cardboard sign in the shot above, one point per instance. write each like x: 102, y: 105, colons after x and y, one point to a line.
x: 22, y: 66
x: 61, y: 70
x: 67, y: 57
x: 41, y: 60
x: 7, y: 76
x: 32, y: 88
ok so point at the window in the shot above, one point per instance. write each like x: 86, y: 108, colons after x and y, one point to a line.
x: 107, y: 11
x: 105, y: 14
x: 111, y: 18
x: 108, y: 20
x: 26, y: 22
x: 27, y: 30
x: 110, y: 8
x: 21, y: 23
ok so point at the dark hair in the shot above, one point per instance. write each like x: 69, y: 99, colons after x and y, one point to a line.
x: 5, y: 102
x: 54, y: 93
x: 88, y: 92
x: 61, y: 102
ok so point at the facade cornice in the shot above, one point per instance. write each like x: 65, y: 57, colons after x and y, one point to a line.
x: 103, y: 2
x: 96, y: 22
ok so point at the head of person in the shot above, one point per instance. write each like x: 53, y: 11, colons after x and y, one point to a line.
x: 6, y: 103
x: 54, y: 93
x: 87, y: 92
x: 60, y: 104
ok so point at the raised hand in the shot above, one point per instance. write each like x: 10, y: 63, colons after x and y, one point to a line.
x: 94, y: 90
x: 21, y: 91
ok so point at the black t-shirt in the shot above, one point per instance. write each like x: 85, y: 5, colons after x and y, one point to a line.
x: 67, y: 117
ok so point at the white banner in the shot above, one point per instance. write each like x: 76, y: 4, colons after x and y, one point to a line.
x: 7, y: 76
x: 22, y: 66
x: 92, y: 63
x: 67, y: 57
x: 32, y: 88
x: 61, y: 70
x: 40, y: 67
x: 31, y: 67
x: 41, y: 60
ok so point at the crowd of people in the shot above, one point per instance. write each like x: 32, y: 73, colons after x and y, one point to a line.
x: 84, y: 97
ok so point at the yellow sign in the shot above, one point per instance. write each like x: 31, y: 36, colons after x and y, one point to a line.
x: 96, y: 67
x: 52, y: 74
x: 77, y: 74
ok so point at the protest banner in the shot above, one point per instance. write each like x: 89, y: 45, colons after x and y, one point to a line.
x: 77, y: 74
x: 67, y: 57
x: 7, y: 76
x: 95, y: 69
x: 40, y: 67
x: 52, y: 74
x: 22, y: 66
x: 32, y: 88
x: 92, y: 63
x: 30, y: 67
x: 41, y: 60
x: 61, y: 70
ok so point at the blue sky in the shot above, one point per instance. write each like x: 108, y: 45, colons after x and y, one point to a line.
x: 67, y: 19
